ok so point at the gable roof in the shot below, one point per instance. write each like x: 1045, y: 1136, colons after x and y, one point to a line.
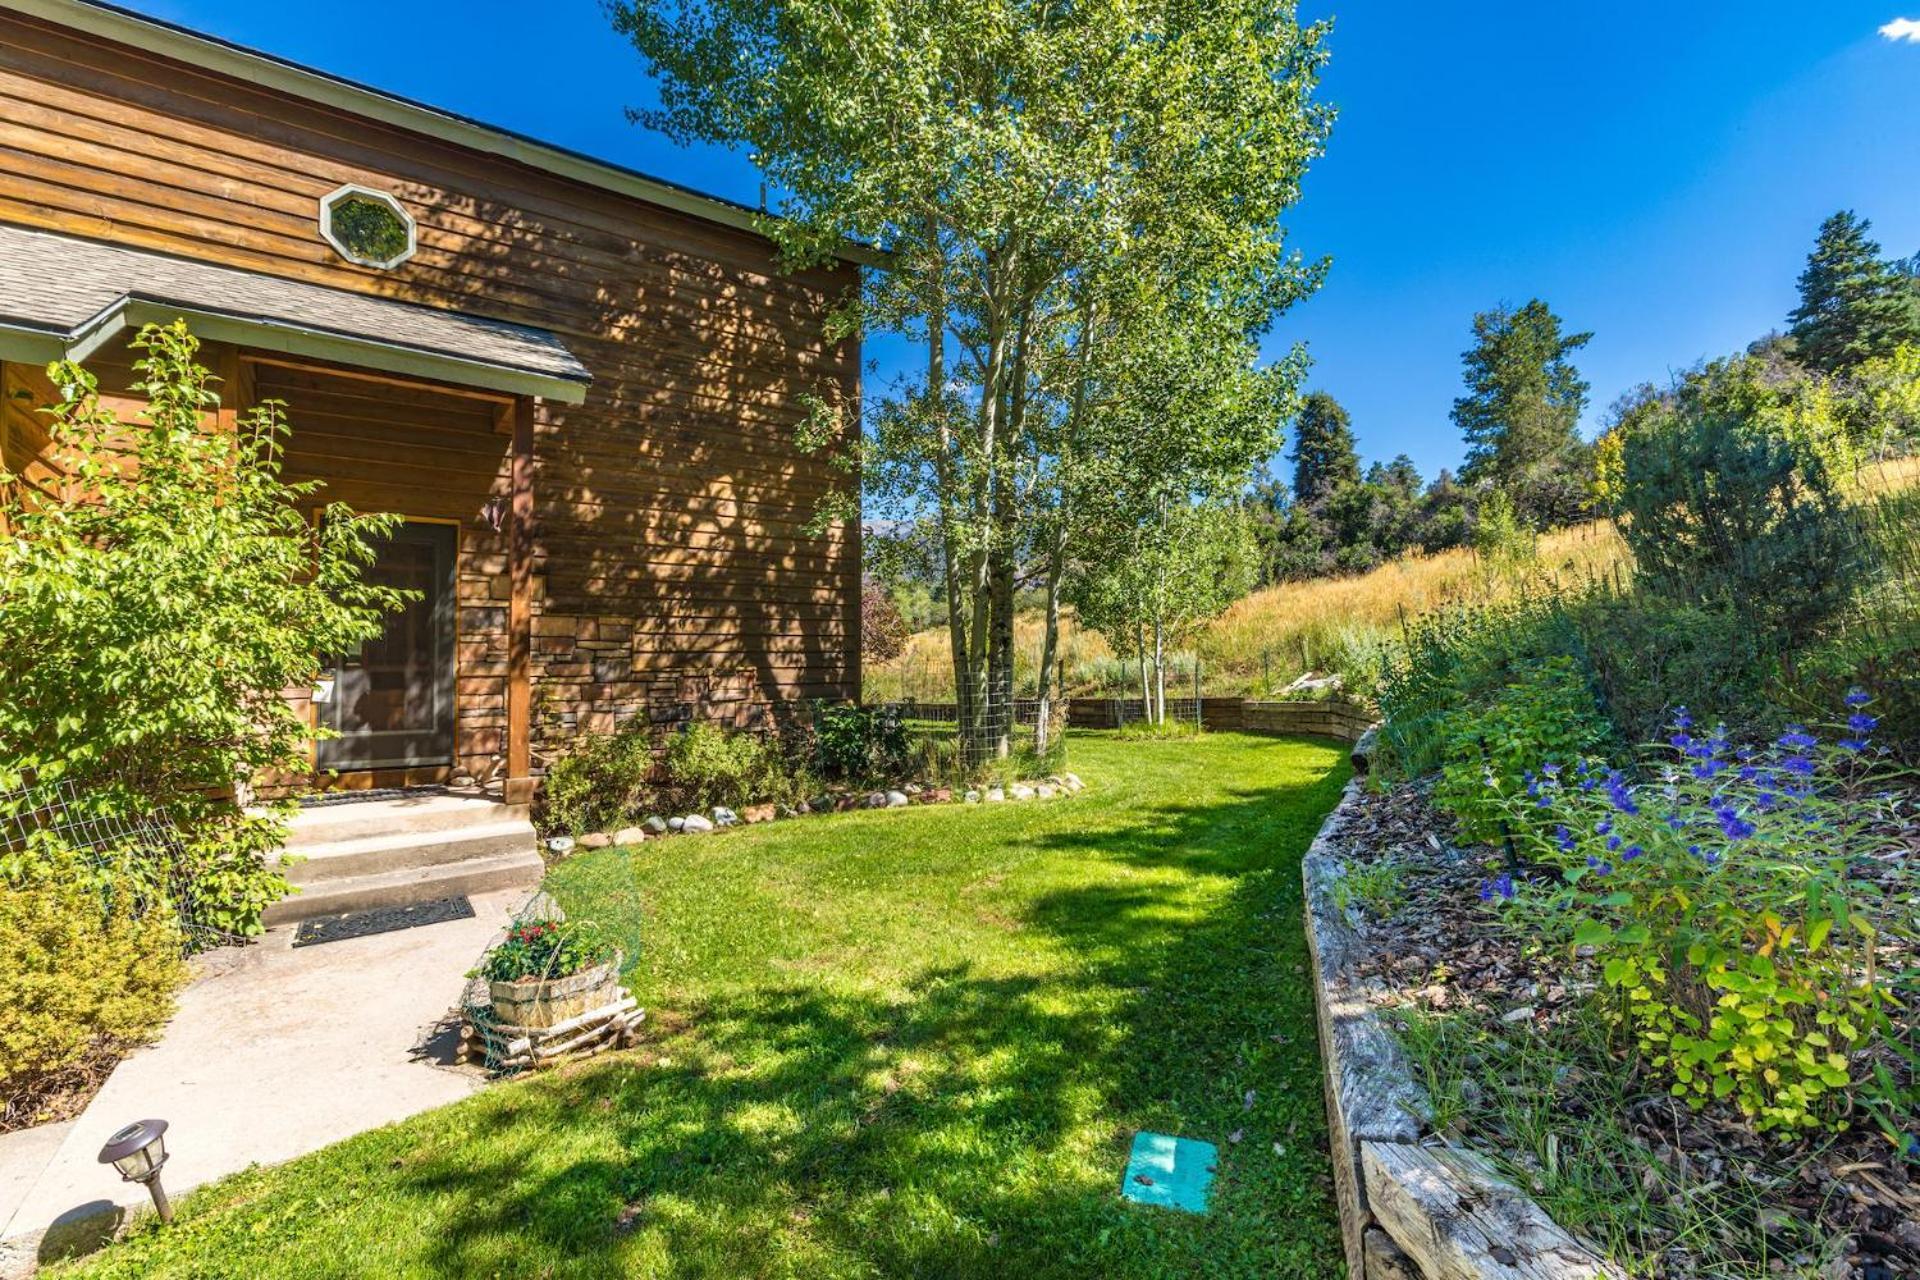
x: 63, y: 297
x: 210, y: 53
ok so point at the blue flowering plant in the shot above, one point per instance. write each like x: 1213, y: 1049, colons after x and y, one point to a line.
x: 1721, y: 897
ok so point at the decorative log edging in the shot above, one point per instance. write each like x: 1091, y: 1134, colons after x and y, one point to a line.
x: 1408, y: 1210
x: 1327, y: 718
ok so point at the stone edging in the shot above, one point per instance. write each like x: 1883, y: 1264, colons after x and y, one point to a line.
x: 1411, y: 1207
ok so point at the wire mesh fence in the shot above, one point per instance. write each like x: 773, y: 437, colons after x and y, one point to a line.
x: 139, y: 859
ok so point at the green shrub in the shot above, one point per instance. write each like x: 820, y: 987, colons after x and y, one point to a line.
x: 860, y: 744
x: 1548, y: 714
x: 1733, y: 497
x: 601, y: 781
x: 154, y: 610
x: 1719, y: 904
x: 1456, y: 657
x: 707, y: 766
x: 79, y: 974
x: 1648, y: 654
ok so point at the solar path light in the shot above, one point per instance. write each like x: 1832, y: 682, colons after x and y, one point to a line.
x: 138, y: 1152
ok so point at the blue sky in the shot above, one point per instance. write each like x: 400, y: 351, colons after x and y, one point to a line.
x: 1654, y: 171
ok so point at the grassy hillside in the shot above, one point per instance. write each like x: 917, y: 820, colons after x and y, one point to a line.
x: 1329, y: 624
x: 1270, y: 637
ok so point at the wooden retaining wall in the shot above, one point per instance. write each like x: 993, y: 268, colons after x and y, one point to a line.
x: 1411, y: 1207
x: 1328, y: 719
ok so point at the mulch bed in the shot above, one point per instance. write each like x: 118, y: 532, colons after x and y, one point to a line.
x: 63, y: 1094
x: 1441, y: 951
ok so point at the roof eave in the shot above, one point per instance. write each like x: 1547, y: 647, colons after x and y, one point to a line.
x: 261, y: 333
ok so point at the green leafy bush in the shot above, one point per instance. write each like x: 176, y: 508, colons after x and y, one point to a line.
x: 1647, y: 653
x: 1718, y: 903
x: 1460, y: 656
x: 547, y: 949
x: 1733, y: 496
x: 707, y: 766
x: 858, y: 744
x: 80, y: 974
x: 1549, y: 713
x: 600, y: 781
x: 154, y: 610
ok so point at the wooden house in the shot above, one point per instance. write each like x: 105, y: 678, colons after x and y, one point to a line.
x: 577, y: 383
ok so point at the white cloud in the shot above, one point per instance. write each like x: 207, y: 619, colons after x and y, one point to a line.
x: 1907, y: 29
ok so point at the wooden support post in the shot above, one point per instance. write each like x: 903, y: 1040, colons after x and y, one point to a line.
x: 519, y: 788
x: 224, y: 361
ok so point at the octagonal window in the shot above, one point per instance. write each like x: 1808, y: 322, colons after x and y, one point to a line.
x: 367, y: 226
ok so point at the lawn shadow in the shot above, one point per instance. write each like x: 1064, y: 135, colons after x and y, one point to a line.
x: 940, y: 1127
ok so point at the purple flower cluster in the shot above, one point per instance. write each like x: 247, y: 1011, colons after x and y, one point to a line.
x: 1713, y: 790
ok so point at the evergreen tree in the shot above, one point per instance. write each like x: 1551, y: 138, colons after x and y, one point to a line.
x: 1324, y: 459
x: 1853, y: 306
x: 1522, y: 408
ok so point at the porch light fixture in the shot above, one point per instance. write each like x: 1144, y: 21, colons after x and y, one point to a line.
x: 138, y: 1152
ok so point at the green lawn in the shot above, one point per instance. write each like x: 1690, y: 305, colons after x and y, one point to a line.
x: 885, y: 1044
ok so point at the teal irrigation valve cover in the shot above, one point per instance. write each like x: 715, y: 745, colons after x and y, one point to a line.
x: 1173, y: 1173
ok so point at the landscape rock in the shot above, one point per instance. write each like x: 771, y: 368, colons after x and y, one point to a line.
x: 1021, y: 791
x: 1073, y: 781
x: 629, y: 835
x: 755, y: 814
x: 1046, y: 791
x: 595, y: 840
x: 676, y: 824
x: 938, y: 795
x: 655, y: 825
x: 896, y: 799
x: 560, y: 846
x: 972, y: 797
x: 724, y: 817
x: 913, y: 789
x: 695, y: 822
x: 875, y: 800
x: 995, y: 795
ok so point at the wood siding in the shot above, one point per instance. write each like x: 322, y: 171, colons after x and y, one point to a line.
x: 673, y: 573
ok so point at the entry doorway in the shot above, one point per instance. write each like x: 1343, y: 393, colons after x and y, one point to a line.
x: 391, y: 704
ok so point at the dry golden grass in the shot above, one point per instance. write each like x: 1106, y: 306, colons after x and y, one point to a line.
x: 1265, y: 640
x: 1273, y: 634
x: 1295, y: 619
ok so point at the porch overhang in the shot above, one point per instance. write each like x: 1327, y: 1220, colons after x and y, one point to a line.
x: 63, y: 297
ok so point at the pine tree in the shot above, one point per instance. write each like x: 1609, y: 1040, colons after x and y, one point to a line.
x: 1524, y: 396
x: 1324, y: 460
x: 1853, y: 306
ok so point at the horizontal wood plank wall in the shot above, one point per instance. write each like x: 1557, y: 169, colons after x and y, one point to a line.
x: 674, y: 572
x: 442, y: 461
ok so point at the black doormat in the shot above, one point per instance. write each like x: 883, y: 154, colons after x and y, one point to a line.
x: 328, y: 799
x: 364, y: 924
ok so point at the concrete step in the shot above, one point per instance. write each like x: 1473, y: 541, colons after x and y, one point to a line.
x: 331, y: 823
x: 408, y: 850
x: 410, y: 884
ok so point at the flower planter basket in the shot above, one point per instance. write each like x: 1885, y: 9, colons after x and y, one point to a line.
x: 542, y: 1002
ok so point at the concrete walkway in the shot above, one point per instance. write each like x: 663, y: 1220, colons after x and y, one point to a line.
x: 273, y: 1053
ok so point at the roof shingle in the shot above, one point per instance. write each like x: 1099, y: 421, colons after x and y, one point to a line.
x: 59, y: 283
